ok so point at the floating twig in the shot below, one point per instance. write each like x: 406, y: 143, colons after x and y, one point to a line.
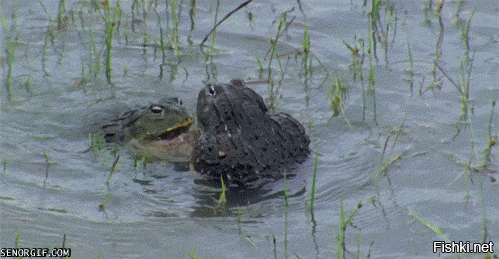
x: 221, y: 21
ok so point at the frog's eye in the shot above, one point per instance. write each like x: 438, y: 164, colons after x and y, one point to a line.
x: 211, y: 90
x: 156, y: 109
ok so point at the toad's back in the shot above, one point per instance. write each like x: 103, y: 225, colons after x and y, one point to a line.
x: 241, y: 140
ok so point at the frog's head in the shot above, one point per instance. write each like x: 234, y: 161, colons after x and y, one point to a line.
x: 161, y: 121
x: 162, y: 131
x: 228, y: 105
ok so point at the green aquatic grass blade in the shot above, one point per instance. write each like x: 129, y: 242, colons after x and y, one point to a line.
x: 409, y: 76
x: 314, y: 176
x: 5, y: 162
x: 223, y: 199
x: 428, y: 224
x: 17, y: 240
x: 53, y: 209
x: 221, y: 208
x: 60, y: 13
x: 340, y: 253
x: 248, y: 238
x: 341, y: 233
x: 103, y: 205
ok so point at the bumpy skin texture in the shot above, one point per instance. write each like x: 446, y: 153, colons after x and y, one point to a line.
x: 242, y: 142
x: 161, y: 131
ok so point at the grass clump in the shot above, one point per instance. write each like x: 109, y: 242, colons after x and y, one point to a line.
x: 379, y: 30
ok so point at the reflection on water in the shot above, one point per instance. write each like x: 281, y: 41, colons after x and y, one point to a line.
x: 237, y: 196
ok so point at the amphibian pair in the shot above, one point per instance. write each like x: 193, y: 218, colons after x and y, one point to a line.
x: 237, y: 138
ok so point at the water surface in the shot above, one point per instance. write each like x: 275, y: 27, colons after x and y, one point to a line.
x: 51, y: 185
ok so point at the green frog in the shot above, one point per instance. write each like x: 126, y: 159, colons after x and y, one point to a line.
x: 241, y: 140
x: 161, y: 131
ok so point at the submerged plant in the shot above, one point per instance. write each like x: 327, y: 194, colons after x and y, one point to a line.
x: 409, y: 73
x: 96, y: 142
x: 104, y: 203
x: 10, y: 49
x: 286, y: 211
x: 192, y: 255
x: 5, y: 161
x: 428, y: 224
x: 390, y: 158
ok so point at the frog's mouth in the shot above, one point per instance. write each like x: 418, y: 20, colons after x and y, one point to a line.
x: 172, y: 132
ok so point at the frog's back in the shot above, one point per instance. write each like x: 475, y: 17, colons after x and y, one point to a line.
x: 247, y: 142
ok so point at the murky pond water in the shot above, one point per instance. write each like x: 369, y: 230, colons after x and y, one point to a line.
x: 402, y: 125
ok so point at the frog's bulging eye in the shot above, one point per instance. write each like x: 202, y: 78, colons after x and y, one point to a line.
x: 156, y: 109
x: 211, y: 90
